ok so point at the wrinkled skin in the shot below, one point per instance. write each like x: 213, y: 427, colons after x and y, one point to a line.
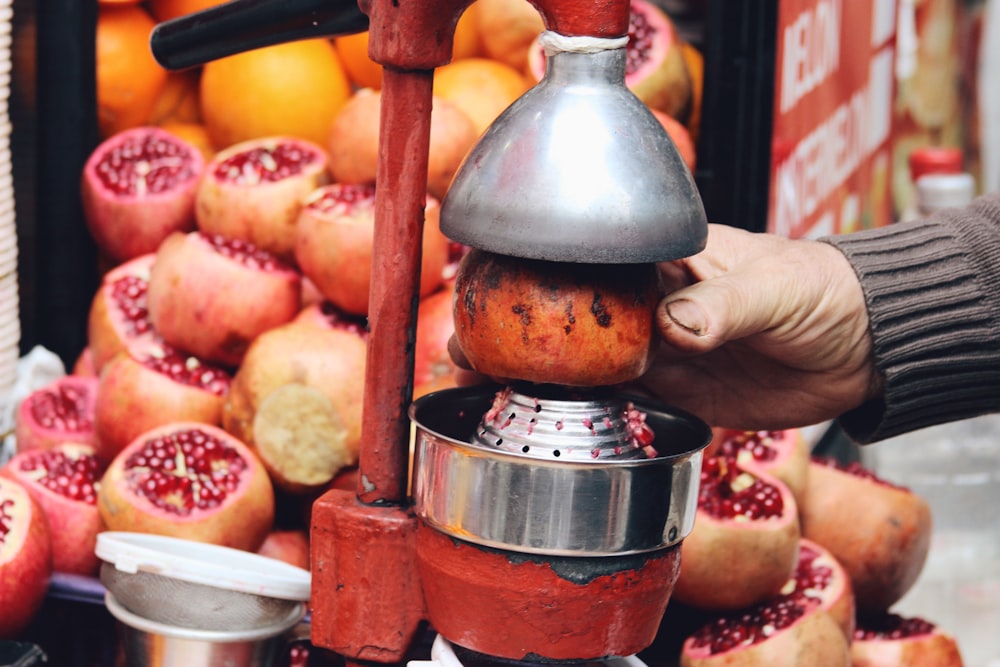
x: 774, y: 334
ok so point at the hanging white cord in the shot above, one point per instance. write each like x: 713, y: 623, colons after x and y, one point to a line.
x: 554, y: 43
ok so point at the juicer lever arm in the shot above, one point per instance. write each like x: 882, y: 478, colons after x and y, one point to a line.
x: 242, y: 25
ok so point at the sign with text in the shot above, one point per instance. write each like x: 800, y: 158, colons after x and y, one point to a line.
x: 833, y: 117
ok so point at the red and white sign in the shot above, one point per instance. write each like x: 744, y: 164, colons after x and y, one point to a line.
x: 833, y: 117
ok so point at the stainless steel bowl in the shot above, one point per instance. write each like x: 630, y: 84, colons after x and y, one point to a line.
x: 519, y: 502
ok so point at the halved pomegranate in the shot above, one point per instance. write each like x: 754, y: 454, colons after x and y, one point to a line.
x: 654, y: 63
x: 253, y: 191
x: 192, y: 481
x: 745, y: 541
x: 890, y: 640
x: 782, y: 454
x: 63, y: 481
x: 297, y: 399
x: 119, y: 314
x: 334, y: 241
x: 570, y: 324
x: 786, y: 631
x: 818, y: 575
x: 211, y: 296
x: 325, y: 315
x: 25, y: 558
x: 145, y: 388
x: 879, y: 532
x: 138, y: 187
x: 61, y: 411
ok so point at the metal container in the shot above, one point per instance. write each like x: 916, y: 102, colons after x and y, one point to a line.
x: 147, y: 643
x: 548, y: 506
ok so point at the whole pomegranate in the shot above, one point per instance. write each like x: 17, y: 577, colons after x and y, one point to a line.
x: 289, y: 545
x: 142, y: 389
x: 745, y: 541
x: 138, y: 187
x: 879, y: 532
x: 297, y: 399
x: 189, y: 480
x: 63, y: 481
x: 433, y: 367
x: 119, y: 313
x: 211, y: 296
x: 891, y: 640
x: 61, y: 411
x: 25, y: 558
x: 334, y: 242
x: 253, y: 190
x: 355, y: 133
x: 569, y: 324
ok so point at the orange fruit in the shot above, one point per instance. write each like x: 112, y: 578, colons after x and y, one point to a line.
x: 361, y: 70
x: 292, y: 89
x: 193, y: 133
x: 164, y: 10
x: 178, y: 101
x: 695, y: 62
x: 680, y: 136
x: 507, y: 29
x: 480, y: 87
x: 467, y: 43
x: 128, y: 77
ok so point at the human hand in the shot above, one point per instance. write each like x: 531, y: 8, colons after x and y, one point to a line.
x: 762, y: 332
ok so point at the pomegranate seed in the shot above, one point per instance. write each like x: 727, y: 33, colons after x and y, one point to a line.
x: 341, y: 320
x: 744, y: 628
x: 892, y: 626
x: 245, y: 252
x: 265, y: 164
x: 63, y: 408
x: 640, y: 41
x: 202, y: 472
x: 144, y: 165
x: 129, y: 294
x: 71, y: 477
x: 726, y: 492
x: 342, y: 198
x: 758, y: 443
x: 6, y: 517
x: 189, y: 370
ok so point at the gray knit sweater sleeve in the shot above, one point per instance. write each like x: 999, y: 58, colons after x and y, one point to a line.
x: 932, y: 289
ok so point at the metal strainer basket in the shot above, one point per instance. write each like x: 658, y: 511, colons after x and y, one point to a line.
x: 199, y: 586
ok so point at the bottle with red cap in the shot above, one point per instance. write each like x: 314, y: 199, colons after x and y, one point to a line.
x: 939, y: 179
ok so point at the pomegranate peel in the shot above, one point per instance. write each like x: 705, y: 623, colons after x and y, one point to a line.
x: 568, y: 324
x: 192, y: 481
x: 25, y: 558
x: 890, y: 640
x: 61, y: 411
x: 211, y: 296
x: 64, y: 482
x: 288, y: 545
x: 745, y: 541
x: 879, y: 532
x: 142, y: 389
x: 253, y: 191
x: 138, y: 186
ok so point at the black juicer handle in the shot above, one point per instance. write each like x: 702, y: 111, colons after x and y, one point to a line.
x: 243, y: 25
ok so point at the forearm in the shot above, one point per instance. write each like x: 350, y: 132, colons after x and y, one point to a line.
x: 932, y: 289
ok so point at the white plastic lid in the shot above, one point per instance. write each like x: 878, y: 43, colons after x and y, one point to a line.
x: 938, y: 191
x: 206, y: 564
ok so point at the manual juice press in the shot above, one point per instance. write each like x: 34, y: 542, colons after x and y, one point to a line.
x: 546, y: 512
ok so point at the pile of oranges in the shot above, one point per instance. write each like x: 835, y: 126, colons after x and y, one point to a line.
x: 298, y: 88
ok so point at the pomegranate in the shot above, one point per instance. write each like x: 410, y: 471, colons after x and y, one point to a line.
x: 253, y: 191
x: 25, y: 558
x: 879, y: 532
x: 655, y: 69
x: 354, y: 141
x: 63, y: 481
x: 786, y: 631
x: 288, y: 545
x: 297, y: 398
x: 333, y: 244
x: 138, y: 187
x: 325, y: 315
x: 84, y: 364
x: 745, y: 541
x: 192, y: 481
x: 211, y: 296
x: 818, y: 575
x: 890, y: 640
x: 570, y: 324
x: 142, y: 389
x: 782, y: 454
x: 119, y: 315
x: 433, y: 367
x: 61, y: 411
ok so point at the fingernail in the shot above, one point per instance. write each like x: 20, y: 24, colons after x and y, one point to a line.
x: 687, y: 315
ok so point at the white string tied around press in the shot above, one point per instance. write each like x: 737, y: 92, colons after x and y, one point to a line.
x: 554, y: 43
